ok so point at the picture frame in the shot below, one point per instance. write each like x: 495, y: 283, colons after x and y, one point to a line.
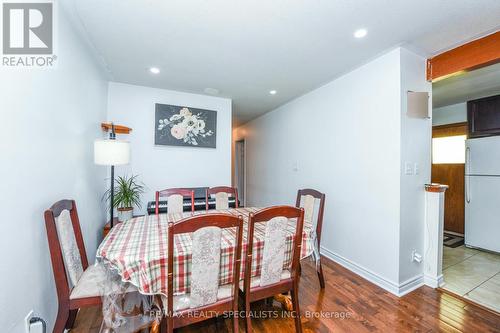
x: 185, y: 126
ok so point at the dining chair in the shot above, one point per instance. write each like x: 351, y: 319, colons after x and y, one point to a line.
x: 175, y: 199
x: 313, y: 203
x: 221, y: 194
x: 78, y: 285
x: 206, y: 295
x: 274, y: 278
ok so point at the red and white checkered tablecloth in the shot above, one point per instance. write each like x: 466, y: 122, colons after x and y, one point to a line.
x: 137, y: 249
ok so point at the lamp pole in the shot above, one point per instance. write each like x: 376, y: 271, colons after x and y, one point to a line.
x: 112, y: 136
x: 111, y: 152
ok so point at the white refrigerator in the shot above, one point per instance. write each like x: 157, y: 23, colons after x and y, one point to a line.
x: 482, y: 193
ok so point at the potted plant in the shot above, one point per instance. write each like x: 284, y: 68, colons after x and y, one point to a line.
x: 127, y: 194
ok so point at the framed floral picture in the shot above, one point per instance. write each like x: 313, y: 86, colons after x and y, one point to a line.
x: 185, y: 126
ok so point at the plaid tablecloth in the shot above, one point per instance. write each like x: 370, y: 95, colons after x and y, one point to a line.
x: 137, y: 249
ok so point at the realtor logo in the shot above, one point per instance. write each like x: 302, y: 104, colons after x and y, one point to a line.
x: 28, y: 29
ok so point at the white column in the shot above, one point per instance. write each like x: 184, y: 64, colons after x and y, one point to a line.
x: 433, y: 236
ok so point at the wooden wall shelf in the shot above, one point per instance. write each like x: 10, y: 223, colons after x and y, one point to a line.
x: 119, y: 129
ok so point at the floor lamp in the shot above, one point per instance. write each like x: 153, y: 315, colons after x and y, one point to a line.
x: 111, y: 152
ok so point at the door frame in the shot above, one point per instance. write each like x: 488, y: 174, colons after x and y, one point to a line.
x: 458, y: 227
x: 244, y: 168
x: 453, y: 130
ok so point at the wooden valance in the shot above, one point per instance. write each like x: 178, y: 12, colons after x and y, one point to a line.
x: 475, y: 54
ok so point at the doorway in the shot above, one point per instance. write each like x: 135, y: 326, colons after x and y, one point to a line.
x: 448, y: 167
x: 239, y: 169
x: 465, y: 142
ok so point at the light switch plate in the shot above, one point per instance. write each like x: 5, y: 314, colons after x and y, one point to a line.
x: 408, y: 169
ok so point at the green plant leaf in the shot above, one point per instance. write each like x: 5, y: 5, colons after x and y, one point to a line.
x: 128, y: 192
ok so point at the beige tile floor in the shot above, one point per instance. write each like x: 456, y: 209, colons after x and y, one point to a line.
x: 473, y: 274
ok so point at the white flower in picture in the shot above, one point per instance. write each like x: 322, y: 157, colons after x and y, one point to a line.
x: 185, y: 112
x: 200, y: 124
x: 190, y: 122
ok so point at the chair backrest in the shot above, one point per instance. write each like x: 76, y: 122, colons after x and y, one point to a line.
x: 276, y: 219
x: 206, y: 250
x: 313, y: 203
x: 221, y: 194
x: 67, y: 250
x: 175, y: 199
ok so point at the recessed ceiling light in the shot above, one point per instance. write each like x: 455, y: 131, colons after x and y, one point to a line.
x: 154, y: 70
x: 272, y: 92
x: 211, y: 91
x: 360, y: 33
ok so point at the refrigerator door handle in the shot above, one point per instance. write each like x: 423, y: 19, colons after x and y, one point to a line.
x: 467, y: 187
x: 467, y: 172
x: 467, y: 161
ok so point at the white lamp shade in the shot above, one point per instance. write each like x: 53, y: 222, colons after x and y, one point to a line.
x: 111, y: 152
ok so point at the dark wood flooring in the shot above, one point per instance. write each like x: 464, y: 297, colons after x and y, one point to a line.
x: 351, y: 304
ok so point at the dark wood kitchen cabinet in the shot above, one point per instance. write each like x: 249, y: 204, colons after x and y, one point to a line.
x: 483, y: 116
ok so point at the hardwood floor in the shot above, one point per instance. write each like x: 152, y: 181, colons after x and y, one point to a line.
x: 351, y: 304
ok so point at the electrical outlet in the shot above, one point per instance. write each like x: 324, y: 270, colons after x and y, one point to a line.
x: 416, y: 257
x: 37, y: 327
x: 27, y: 321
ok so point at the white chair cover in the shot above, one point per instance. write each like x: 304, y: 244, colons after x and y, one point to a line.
x: 311, y: 212
x: 69, y: 247
x: 95, y: 282
x: 182, y: 302
x: 205, y: 266
x: 274, y: 251
x: 308, y: 205
x: 175, y: 203
x: 221, y: 200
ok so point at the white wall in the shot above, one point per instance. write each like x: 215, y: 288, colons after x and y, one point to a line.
x: 347, y: 140
x: 449, y: 114
x: 415, y: 149
x: 161, y: 167
x: 49, y: 120
x: 344, y: 137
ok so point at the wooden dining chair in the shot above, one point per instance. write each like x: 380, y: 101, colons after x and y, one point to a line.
x: 175, y: 199
x: 274, y: 279
x: 313, y: 203
x: 206, y: 295
x: 78, y: 285
x: 222, y: 194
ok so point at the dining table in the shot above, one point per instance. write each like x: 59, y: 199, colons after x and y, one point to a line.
x: 136, y: 250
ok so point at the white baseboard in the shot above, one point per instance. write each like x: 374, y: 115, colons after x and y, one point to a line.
x: 392, y: 287
x: 411, y: 284
x: 433, y: 282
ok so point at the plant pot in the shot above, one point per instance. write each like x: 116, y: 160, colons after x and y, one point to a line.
x: 125, y: 213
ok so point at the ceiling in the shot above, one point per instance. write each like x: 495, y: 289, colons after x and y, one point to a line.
x: 467, y: 86
x: 244, y: 49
